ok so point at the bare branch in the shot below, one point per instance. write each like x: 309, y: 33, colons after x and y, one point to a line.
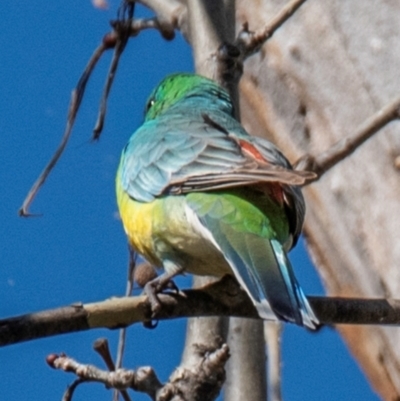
x: 250, y: 42
x: 170, y: 14
x: 166, y: 28
x: 69, y: 392
x: 119, y: 48
x: 128, y: 293
x: 224, y: 298
x: 202, y: 380
x: 76, y: 99
x: 122, y: 28
x: 102, y: 348
x: 122, y: 332
x: 125, y: 29
x: 110, y: 40
x: 345, y: 147
x: 143, y: 379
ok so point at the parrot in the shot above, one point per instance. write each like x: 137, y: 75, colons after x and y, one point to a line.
x: 197, y: 194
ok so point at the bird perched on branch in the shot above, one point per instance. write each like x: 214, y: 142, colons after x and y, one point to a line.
x: 197, y: 193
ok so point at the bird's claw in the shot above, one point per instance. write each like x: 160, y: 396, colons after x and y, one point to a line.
x: 153, y: 288
x: 150, y: 324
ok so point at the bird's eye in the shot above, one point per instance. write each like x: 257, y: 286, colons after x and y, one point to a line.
x: 150, y: 104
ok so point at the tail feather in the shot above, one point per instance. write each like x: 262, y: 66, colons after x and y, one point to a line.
x: 264, y: 271
x: 299, y: 300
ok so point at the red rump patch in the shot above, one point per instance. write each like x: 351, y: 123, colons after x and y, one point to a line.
x: 274, y: 190
x: 250, y: 149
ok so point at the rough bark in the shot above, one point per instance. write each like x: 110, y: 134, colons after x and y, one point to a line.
x: 211, y: 24
x: 329, y: 68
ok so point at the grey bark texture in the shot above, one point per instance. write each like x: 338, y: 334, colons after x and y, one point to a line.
x: 211, y: 24
x: 329, y: 68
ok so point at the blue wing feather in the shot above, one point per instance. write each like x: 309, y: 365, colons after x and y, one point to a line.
x: 179, y: 150
x: 182, y: 151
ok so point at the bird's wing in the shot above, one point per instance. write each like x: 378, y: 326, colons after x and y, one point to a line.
x: 256, y: 258
x: 174, y: 155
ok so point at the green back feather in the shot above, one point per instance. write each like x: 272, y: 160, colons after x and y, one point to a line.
x: 250, y: 229
x: 245, y: 210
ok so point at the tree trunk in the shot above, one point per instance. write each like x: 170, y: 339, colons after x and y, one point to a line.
x: 211, y: 23
x: 329, y: 68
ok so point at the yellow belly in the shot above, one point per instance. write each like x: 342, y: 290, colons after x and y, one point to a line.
x: 137, y: 220
x: 160, y: 229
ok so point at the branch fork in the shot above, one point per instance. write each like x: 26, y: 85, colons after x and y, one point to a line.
x: 202, y: 380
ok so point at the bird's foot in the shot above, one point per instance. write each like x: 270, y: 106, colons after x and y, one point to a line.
x: 150, y: 324
x: 155, y: 287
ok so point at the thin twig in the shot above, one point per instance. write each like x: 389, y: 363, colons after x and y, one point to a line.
x: 69, y: 392
x: 110, y: 40
x: 109, y: 81
x: 128, y: 292
x: 122, y: 28
x: 321, y: 163
x: 251, y: 42
x: 76, y: 98
x: 122, y: 332
x: 102, y: 348
x: 126, y: 29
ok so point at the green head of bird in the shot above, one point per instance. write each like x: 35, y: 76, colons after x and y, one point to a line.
x: 181, y: 87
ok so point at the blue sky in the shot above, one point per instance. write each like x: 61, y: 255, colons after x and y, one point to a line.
x: 77, y: 250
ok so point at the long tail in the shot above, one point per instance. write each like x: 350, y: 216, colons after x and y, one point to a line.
x: 264, y: 271
x: 298, y: 300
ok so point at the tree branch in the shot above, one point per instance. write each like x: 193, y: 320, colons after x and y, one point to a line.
x: 69, y: 392
x: 209, y: 24
x: 170, y: 14
x: 250, y: 43
x: 345, y: 147
x: 208, y: 31
x: 110, y: 40
x: 122, y: 332
x: 166, y: 28
x: 122, y: 29
x: 202, y: 380
x: 224, y: 298
x: 76, y: 99
x: 143, y: 379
